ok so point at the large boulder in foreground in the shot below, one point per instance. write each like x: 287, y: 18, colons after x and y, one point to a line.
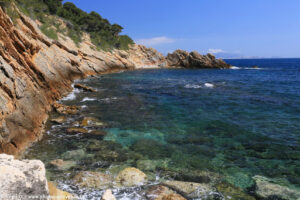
x: 180, y: 58
x: 22, y: 179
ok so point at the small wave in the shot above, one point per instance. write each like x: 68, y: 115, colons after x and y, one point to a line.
x: 193, y: 86
x: 209, y: 85
x: 254, y: 68
x: 88, y: 99
x: 109, y: 99
x: 235, y: 67
x: 72, y: 95
x: 84, y: 106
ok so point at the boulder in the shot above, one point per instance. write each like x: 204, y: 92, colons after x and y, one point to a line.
x: 96, y: 180
x: 159, y: 192
x: 57, y: 194
x: 67, y: 110
x: 190, y: 189
x: 91, y: 122
x: 22, y: 179
x: 131, y: 177
x: 108, y: 195
x: 180, y: 58
x: 83, y: 87
x: 266, y: 187
x: 62, y: 165
x: 59, y: 120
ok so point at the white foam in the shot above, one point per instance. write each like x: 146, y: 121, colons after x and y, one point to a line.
x: 257, y: 68
x: 193, y: 86
x: 209, y: 85
x: 88, y: 99
x: 234, y: 67
x: 72, y: 95
x: 109, y: 99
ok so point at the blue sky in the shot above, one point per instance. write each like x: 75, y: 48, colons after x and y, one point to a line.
x: 263, y: 28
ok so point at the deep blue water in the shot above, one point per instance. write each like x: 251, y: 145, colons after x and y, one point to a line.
x: 239, y: 122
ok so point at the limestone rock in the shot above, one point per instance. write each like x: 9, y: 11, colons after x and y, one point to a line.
x: 84, y: 87
x: 108, y: 195
x: 59, y: 120
x: 159, y: 192
x: 266, y: 188
x: 180, y: 58
x: 131, y: 177
x: 57, y: 194
x: 190, y: 189
x: 91, y: 121
x: 62, y: 165
x: 63, y: 109
x: 96, y: 180
x: 22, y: 179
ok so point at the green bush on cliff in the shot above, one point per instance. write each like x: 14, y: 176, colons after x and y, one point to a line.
x: 103, y: 34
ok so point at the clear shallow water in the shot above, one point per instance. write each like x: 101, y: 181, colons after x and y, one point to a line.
x: 238, y: 123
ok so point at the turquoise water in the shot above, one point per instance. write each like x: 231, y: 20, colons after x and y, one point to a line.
x: 237, y: 123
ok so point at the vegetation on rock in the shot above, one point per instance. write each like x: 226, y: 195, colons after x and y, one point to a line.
x: 104, y: 35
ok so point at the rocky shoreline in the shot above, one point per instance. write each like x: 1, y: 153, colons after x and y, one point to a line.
x: 37, y: 71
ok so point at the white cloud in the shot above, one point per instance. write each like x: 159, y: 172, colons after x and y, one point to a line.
x: 216, y: 51
x: 155, y: 41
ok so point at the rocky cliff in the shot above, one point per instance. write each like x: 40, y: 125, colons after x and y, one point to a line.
x: 180, y: 58
x: 35, y: 71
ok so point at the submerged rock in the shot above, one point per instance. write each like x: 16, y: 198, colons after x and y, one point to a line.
x: 22, y: 179
x: 108, y: 195
x: 159, y: 192
x: 265, y: 188
x: 96, y: 180
x: 62, y: 165
x: 74, y: 154
x: 91, y: 121
x: 57, y: 194
x: 84, y: 87
x: 75, y: 130
x: 190, y: 189
x: 131, y: 177
x: 231, y: 192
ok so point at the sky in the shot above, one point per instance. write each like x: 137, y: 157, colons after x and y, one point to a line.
x: 228, y: 28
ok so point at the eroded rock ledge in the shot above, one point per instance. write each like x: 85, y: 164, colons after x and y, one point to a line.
x: 36, y: 71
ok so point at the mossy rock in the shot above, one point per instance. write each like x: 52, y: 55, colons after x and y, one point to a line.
x: 231, y: 192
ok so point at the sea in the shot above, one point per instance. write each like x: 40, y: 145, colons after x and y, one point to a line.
x: 174, y: 124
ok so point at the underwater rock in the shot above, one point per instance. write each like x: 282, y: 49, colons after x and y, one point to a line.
x: 57, y: 194
x: 66, y: 110
x: 265, y: 188
x: 159, y: 192
x: 62, y: 165
x: 84, y: 87
x: 98, y: 133
x: 75, y: 130
x: 131, y: 177
x: 151, y: 165
x: 74, y: 154
x: 59, y: 120
x: 108, y: 195
x: 91, y: 122
x: 22, y: 179
x: 231, y: 192
x: 190, y: 189
x: 96, y: 180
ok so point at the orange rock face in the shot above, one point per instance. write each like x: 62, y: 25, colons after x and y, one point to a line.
x: 35, y: 71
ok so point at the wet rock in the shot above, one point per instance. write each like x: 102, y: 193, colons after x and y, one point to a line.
x: 268, y: 188
x: 151, y: 165
x: 59, y: 120
x: 190, y: 189
x: 108, y: 195
x: 74, y: 155
x: 76, y: 130
x: 159, y: 192
x: 131, y: 177
x: 98, y: 133
x: 96, y: 180
x: 57, y: 194
x: 91, y: 122
x: 67, y: 110
x: 231, y: 192
x: 62, y: 165
x: 23, y: 178
x: 84, y: 87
